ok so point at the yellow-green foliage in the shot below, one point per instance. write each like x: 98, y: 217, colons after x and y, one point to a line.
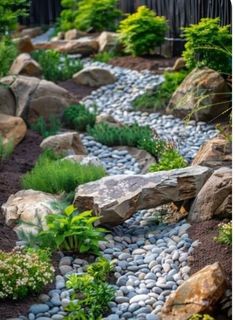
x: 8, y: 53
x: 6, y: 149
x: 142, y: 31
x: 201, y: 317
x: 225, y: 233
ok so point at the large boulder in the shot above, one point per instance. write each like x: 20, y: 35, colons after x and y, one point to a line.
x: 74, y: 34
x: 199, y: 294
x: 25, y: 65
x: 84, y: 46
x: 24, y: 44
x: 27, y: 206
x: 35, y: 97
x: 108, y: 41
x: 116, y: 198
x: 94, y: 77
x: 12, y: 128
x: 214, y: 153
x: 31, y: 32
x: 215, y: 197
x: 68, y: 143
x: 7, y: 101
x: 204, y: 93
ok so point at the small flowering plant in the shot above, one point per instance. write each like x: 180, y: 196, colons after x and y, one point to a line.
x: 24, y: 271
x: 225, y: 233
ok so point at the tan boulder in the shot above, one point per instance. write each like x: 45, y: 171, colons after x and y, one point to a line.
x: 117, y: 198
x: 31, y: 32
x: 27, y: 206
x: 7, y: 101
x: 12, y: 128
x: 199, y: 294
x: 94, y: 77
x: 25, y: 65
x: 35, y: 97
x: 214, y: 153
x: 108, y: 41
x: 179, y: 64
x: 108, y: 119
x: 24, y: 44
x: 74, y: 34
x: 68, y: 143
x: 215, y: 197
x: 188, y: 97
x: 84, y: 46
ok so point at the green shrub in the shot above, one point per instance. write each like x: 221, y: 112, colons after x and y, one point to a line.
x: 47, y: 129
x: 201, y: 317
x: 91, y: 296
x: 78, y: 117
x: 225, y: 233
x: 169, y: 159
x: 57, y: 176
x: 97, y: 15
x: 8, y: 53
x: 67, y: 231
x: 100, y: 269
x: 6, y: 149
x: 143, y: 31
x: 56, y: 66
x: 160, y: 97
x: 68, y: 14
x: 208, y: 44
x: 24, y: 272
x: 132, y: 136
x: 10, y: 11
x: 105, y: 56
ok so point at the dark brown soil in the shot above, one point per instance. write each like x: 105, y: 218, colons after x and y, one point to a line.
x: 78, y: 91
x: 155, y: 64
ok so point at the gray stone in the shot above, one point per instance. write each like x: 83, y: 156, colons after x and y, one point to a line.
x: 38, y: 308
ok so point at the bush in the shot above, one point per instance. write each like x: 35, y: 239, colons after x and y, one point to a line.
x: 23, y: 272
x: 169, y: 159
x: 6, y: 149
x: 105, y: 56
x: 132, y: 136
x: 57, y: 176
x: 225, y: 233
x: 100, y: 269
x: 47, y: 129
x: 143, y: 31
x: 66, y: 231
x: 160, y: 97
x: 10, y: 11
x: 57, y: 66
x: 208, y: 44
x: 8, y: 53
x: 68, y: 15
x: 78, y: 117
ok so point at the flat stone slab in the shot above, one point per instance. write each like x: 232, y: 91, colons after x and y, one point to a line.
x: 116, y: 198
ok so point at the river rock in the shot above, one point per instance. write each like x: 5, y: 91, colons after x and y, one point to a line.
x: 94, y: 77
x: 215, y: 197
x: 116, y: 198
x: 199, y: 294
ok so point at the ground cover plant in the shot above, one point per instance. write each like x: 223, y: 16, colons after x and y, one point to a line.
x: 225, y: 233
x: 105, y: 56
x: 67, y: 230
x: 92, y: 292
x: 23, y: 272
x: 208, y: 44
x: 55, y: 176
x: 142, y: 32
x: 160, y: 97
x: 56, y: 66
x: 78, y: 117
x: 46, y: 129
x: 8, y: 53
x: 6, y: 149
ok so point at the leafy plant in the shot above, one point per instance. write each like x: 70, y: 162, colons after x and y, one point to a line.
x: 23, y: 272
x: 132, y: 136
x: 56, y: 66
x: 143, y: 31
x: 10, y: 11
x: 97, y: 15
x: 201, y: 317
x: 68, y: 14
x: 91, y: 297
x: 159, y: 97
x: 78, y: 117
x: 225, y: 233
x: 55, y: 176
x: 169, y: 159
x: 208, y: 44
x: 105, y: 56
x: 8, y: 53
x: 46, y: 129
x: 6, y: 149
x: 101, y: 269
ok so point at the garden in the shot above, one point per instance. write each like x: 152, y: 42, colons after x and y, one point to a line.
x: 115, y: 165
